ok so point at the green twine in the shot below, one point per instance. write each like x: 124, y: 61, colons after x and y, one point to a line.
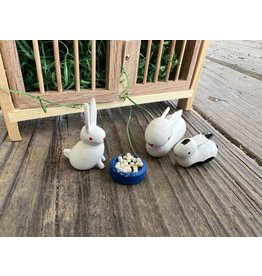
x: 128, y: 132
x: 42, y: 101
x: 122, y: 96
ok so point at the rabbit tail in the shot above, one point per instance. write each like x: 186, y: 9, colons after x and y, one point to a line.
x: 67, y: 152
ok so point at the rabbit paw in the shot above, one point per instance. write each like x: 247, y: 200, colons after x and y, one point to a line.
x: 100, y: 165
x: 103, y: 158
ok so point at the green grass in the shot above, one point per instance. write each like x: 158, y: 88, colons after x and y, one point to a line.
x: 27, y: 61
x: 153, y: 59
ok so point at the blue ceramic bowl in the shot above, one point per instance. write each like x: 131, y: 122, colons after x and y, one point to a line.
x: 131, y: 178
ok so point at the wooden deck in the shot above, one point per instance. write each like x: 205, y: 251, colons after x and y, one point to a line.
x: 42, y: 195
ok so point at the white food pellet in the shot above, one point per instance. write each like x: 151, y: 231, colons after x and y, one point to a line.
x: 120, y: 158
x: 128, y: 163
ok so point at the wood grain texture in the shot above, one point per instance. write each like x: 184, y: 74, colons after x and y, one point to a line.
x: 231, y: 101
x: 113, y: 64
x: 38, y: 67
x: 158, y: 61
x: 57, y: 66
x: 148, y: 50
x: 12, y: 67
x: 93, y: 65
x: 220, y: 198
x: 69, y: 96
x: 77, y: 70
x: 171, y: 55
x: 34, y: 113
x: 187, y: 103
x: 180, y: 59
x: 7, y: 105
x: 189, y: 64
x: 131, y: 59
x: 241, y: 55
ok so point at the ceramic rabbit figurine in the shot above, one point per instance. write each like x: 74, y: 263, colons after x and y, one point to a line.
x: 164, y: 132
x: 89, y: 152
x: 197, y: 149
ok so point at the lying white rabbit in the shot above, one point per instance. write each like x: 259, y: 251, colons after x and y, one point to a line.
x: 197, y: 149
x: 163, y: 133
x: 89, y: 152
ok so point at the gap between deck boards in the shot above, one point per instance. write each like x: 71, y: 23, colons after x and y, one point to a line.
x: 237, y: 68
x: 229, y: 137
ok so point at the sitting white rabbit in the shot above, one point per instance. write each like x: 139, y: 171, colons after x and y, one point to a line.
x: 89, y: 152
x: 163, y: 133
x: 197, y: 149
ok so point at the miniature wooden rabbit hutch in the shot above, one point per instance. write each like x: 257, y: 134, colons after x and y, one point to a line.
x: 178, y: 81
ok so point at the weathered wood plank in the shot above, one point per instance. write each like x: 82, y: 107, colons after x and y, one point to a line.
x: 3, y: 130
x: 22, y: 210
x: 50, y: 198
x: 244, y: 56
x: 213, y: 176
x: 231, y: 101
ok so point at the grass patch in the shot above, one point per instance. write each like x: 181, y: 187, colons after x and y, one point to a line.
x: 27, y: 61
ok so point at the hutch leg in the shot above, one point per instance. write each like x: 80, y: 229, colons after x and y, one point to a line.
x: 12, y: 128
x: 7, y: 105
x: 186, y: 104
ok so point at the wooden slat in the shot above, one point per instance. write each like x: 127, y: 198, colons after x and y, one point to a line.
x: 12, y: 67
x: 76, y: 60
x: 93, y: 64
x: 33, y: 113
x: 131, y: 60
x: 188, y: 65
x: 180, y: 60
x: 57, y: 65
x: 113, y: 64
x: 171, y: 55
x: 158, y: 62
x: 148, y: 50
x: 7, y: 105
x: 38, y: 67
x: 186, y: 104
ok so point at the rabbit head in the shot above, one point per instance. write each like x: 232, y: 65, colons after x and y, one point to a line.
x: 159, y: 131
x: 185, y: 148
x: 91, y: 133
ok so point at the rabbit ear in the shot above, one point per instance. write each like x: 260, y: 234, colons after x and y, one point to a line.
x: 87, y: 116
x: 200, y: 139
x: 165, y: 112
x: 93, y: 112
x: 176, y: 116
